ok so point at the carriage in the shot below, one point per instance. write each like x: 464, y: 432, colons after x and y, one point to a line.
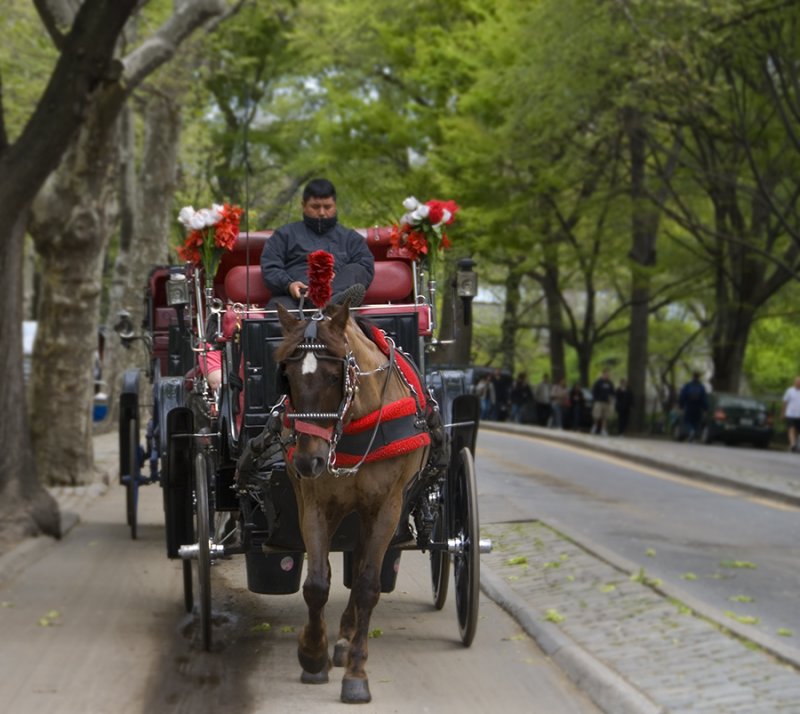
x: 227, y: 460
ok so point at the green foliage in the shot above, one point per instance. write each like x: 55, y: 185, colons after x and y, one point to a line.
x: 26, y: 62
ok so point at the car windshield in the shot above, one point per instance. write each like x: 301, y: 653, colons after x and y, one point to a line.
x: 729, y: 402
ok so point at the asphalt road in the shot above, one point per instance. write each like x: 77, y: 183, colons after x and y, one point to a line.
x: 732, y: 550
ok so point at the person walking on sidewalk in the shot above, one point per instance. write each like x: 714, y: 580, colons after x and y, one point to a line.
x: 623, y: 403
x: 791, y: 412
x: 542, y: 396
x: 693, y: 399
x: 559, y: 402
x: 521, y: 397
x: 603, y: 396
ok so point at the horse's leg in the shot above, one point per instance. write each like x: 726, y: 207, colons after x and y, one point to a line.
x: 312, y: 649
x: 366, y: 591
x: 347, y: 625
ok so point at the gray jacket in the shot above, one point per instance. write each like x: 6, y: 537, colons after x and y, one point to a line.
x: 285, y: 257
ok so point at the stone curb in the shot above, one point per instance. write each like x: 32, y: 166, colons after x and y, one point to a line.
x: 605, y: 687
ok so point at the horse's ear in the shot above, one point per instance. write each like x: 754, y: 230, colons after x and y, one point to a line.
x: 339, y: 315
x: 287, y: 321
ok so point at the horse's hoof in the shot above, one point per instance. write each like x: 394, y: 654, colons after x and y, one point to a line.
x: 315, y: 678
x: 340, y: 652
x: 355, y: 691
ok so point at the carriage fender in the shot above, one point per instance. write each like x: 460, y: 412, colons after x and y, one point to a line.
x: 170, y: 392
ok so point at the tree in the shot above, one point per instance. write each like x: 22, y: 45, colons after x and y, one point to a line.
x: 73, y: 217
x: 84, y: 71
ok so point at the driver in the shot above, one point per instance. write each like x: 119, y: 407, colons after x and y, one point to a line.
x: 284, y: 260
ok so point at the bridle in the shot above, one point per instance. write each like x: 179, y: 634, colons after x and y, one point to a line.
x: 303, y: 422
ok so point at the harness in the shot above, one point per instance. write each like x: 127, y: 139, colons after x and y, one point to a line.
x: 391, y: 430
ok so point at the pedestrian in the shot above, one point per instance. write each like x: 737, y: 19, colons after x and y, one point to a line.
x: 284, y: 259
x: 623, y: 403
x: 502, y: 390
x: 559, y: 402
x: 577, y: 404
x: 542, y: 397
x: 482, y: 391
x: 693, y: 400
x: 603, y: 397
x: 791, y: 412
x: 521, y: 397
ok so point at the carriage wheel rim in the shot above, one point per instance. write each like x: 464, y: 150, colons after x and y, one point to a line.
x: 204, y: 551
x: 466, y: 562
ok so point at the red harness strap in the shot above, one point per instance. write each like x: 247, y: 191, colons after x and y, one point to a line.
x: 306, y: 427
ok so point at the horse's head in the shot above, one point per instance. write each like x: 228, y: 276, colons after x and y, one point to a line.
x: 319, y: 373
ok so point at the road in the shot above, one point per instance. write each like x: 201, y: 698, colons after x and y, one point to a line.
x: 95, y: 625
x: 734, y: 551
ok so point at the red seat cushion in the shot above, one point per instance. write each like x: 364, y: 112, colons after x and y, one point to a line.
x: 245, y: 281
x: 393, y: 282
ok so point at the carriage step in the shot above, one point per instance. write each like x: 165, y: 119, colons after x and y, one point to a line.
x: 456, y: 545
x: 191, y: 552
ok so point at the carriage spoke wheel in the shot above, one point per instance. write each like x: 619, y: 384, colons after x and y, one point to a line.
x: 466, y: 558
x: 204, y: 551
x: 440, y: 562
x: 132, y: 486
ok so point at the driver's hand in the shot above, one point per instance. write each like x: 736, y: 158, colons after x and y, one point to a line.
x: 296, y: 287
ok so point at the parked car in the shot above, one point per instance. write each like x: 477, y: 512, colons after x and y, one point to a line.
x: 733, y: 420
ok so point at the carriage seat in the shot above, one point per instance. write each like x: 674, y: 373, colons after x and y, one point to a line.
x: 393, y: 282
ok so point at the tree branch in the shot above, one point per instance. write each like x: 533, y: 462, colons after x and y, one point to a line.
x: 57, y: 17
x: 163, y: 45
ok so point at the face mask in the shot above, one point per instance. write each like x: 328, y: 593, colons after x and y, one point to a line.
x: 320, y: 226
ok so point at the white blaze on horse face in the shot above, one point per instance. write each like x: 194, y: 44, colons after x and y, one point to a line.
x: 309, y: 363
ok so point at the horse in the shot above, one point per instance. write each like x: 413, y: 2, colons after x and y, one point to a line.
x: 336, y: 377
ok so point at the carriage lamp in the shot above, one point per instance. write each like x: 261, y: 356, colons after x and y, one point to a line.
x: 466, y: 279
x: 177, y: 290
x: 466, y: 286
x: 124, y: 326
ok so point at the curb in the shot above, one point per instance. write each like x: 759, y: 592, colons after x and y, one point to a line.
x: 605, y: 687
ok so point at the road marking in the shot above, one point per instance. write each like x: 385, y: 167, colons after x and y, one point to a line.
x: 651, y: 471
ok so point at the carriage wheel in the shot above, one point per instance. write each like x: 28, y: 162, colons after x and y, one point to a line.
x: 466, y: 558
x: 132, y: 485
x: 440, y: 563
x: 203, y: 541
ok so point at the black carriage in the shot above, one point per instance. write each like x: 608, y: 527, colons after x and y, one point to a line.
x: 197, y: 440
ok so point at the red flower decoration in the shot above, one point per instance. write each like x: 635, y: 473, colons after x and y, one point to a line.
x: 211, y: 231
x: 422, y: 227
x: 320, y: 278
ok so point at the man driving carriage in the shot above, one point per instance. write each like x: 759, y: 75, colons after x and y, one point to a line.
x: 284, y: 258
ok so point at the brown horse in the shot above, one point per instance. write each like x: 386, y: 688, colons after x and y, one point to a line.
x: 336, y: 376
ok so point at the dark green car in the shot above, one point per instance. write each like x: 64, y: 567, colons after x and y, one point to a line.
x: 736, y: 420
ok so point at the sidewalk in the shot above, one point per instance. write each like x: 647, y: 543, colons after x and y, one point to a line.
x: 635, y: 646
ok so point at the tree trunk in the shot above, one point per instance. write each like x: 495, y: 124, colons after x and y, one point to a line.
x: 25, y: 507
x: 147, y: 218
x: 510, y: 324
x: 453, y: 327
x: 73, y: 216
x: 555, y: 323
x: 643, y: 258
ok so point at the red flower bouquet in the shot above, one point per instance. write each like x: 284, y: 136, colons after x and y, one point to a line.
x: 211, y: 232
x: 421, y: 231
